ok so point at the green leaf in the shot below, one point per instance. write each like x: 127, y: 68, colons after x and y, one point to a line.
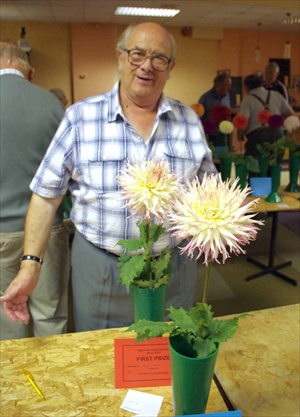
x: 153, y: 283
x: 204, y: 348
x: 183, y: 321
x: 149, y: 233
x: 131, y: 244
x: 155, y: 232
x: 249, y: 160
x: 197, y: 325
x: 147, y: 329
x: 223, y: 330
x: 131, y: 269
x: 201, y: 313
x: 161, y: 265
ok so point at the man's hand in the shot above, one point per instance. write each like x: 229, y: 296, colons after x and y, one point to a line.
x: 15, y: 297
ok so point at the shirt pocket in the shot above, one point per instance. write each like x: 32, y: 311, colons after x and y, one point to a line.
x: 183, y: 165
x: 102, y: 174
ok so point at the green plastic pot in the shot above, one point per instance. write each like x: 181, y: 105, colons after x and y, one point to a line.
x: 263, y: 163
x: 191, y: 377
x: 274, y: 196
x: 149, y: 304
x: 294, y: 166
x: 225, y: 167
x: 241, y: 172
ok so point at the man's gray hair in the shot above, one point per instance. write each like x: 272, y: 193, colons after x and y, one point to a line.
x: 11, y: 52
x: 123, y: 40
x: 273, y: 66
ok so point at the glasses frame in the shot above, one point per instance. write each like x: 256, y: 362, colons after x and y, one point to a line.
x: 151, y: 57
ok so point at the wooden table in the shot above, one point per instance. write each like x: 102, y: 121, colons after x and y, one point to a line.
x: 290, y: 202
x: 259, y: 367
x: 75, y: 372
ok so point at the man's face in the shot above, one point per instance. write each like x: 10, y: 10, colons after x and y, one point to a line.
x: 143, y: 81
x: 224, y: 88
x: 270, y: 76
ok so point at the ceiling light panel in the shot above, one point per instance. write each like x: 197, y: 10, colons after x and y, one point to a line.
x: 146, y: 11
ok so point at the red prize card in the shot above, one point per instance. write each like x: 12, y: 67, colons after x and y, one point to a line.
x: 145, y: 364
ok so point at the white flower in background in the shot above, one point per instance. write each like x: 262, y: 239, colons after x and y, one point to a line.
x: 292, y: 123
x: 226, y: 127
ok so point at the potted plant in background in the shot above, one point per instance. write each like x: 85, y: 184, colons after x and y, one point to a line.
x: 292, y: 124
x: 149, y: 189
x: 220, y: 121
x: 263, y: 157
x: 243, y: 163
x: 275, y: 151
x: 214, y: 218
x: 220, y: 113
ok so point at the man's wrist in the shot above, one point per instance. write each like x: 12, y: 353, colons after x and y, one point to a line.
x: 32, y: 258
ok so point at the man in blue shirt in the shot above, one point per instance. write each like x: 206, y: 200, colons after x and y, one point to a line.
x: 219, y: 94
x: 97, y: 137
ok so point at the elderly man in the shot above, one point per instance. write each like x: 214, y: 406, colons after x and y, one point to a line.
x: 271, y: 80
x: 219, y: 94
x: 96, y: 138
x: 30, y: 117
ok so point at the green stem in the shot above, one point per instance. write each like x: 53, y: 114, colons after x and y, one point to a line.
x: 206, y: 283
x: 148, y: 250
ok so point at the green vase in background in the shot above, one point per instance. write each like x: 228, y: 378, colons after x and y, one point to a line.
x: 274, y: 197
x: 191, y: 377
x: 294, y: 166
x: 148, y: 303
x: 263, y: 163
x: 241, y: 172
x: 225, y: 167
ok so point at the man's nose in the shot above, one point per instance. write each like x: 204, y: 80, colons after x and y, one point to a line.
x: 147, y: 64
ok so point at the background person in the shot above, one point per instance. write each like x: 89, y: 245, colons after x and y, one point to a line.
x: 218, y: 94
x: 257, y: 99
x: 271, y: 81
x: 59, y: 93
x: 95, y: 140
x: 29, y: 116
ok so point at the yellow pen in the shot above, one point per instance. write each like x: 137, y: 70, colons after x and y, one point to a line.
x: 30, y: 378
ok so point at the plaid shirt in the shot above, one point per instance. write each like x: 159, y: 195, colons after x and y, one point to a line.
x: 92, y: 145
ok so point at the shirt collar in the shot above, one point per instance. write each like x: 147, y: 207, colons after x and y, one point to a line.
x: 217, y: 95
x: 115, y: 108
x: 11, y: 71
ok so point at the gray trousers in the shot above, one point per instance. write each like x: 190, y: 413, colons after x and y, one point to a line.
x: 100, y: 301
x: 48, y: 303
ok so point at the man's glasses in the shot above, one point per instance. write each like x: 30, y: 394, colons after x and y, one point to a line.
x: 158, y: 62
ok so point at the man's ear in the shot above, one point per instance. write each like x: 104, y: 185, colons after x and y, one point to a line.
x: 120, y: 55
x: 31, y: 74
x: 170, y: 69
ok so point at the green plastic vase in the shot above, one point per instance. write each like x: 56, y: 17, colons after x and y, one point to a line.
x: 149, y: 304
x: 274, y: 196
x: 294, y: 166
x: 241, y: 172
x: 263, y: 163
x: 225, y: 167
x: 191, y: 377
